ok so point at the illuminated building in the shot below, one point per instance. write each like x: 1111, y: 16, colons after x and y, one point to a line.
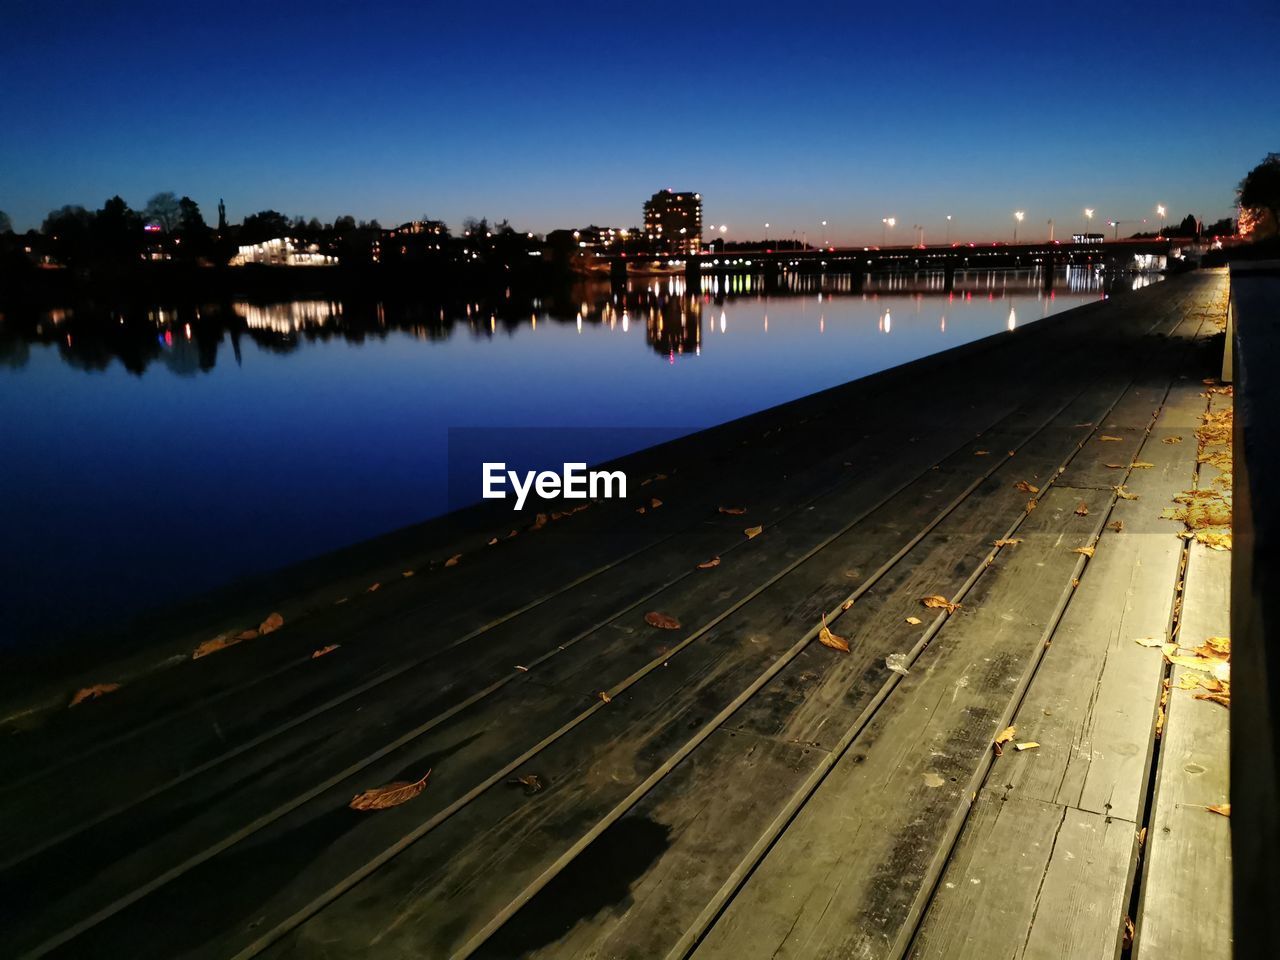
x: 673, y: 222
x: 282, y: 251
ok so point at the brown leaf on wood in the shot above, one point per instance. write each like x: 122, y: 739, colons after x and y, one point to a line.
x: 1126, y: 939
x: 93, y: 693
x: 1003, y: 737
x: 391, y: 795
x: 1116, y: 525
x: 243, y: 635
x: 1222, y: 809
x: 1006, y: 542
x: 662, y: 621
x: 914, y: 621
x: 1104, y: 438
x: 531, y: 783
x: 1124, y: 494
x: 642, y: 509
x: 753, y: 532
x: 1142, y: 465
x: 934, y: 601
x: 829, y: 639
x: 1027, y: 745
x: 1082, y: 509
x: 1026, y: 487
x: 327, y: 649
x: 1032, y: 504
x: 374, y: 588
x: 493, y: 541
x: 1149, y: 641
x: 1114, y: 466
x: 982, y: 453
x: 1221, y: 646
x: 708, y: 564
x: 846, y: 605
x: 1085, y: 551
x: 408, y: 573
x: 220, y: 642
x: 454, y: 560
x: 733, y: 511
x: 539, y: 521
x: 604, y: 697
x: 1222, y: 699
x: 1171, y: 440
x: 270, y: 625
x: 655, y: 503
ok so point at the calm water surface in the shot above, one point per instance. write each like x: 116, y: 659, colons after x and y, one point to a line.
x: 153, y: 453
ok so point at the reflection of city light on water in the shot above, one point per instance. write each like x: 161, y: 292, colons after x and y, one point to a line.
x: 885, y: 323
x: 579, y: 324
x: 626, y: 321
x: 1013, y: 319
x: 722, y: 321
x: 942, y: 326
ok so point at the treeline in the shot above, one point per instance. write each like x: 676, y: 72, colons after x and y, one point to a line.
x: 174, y: 228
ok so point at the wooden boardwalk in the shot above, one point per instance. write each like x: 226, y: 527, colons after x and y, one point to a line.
x: 733, y: 787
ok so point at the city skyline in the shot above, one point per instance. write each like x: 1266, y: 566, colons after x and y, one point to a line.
x: 440, y: 112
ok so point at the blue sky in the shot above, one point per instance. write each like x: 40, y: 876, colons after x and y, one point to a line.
x: 564, y: 114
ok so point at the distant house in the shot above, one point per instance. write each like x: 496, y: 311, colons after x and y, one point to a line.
x: 283, y: 252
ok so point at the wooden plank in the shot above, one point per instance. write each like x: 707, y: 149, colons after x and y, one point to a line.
x: 850, y: 874
x: 612, y: 903
x: 1189, y: 847
x: 1049, y: 900
x: 271, y: 782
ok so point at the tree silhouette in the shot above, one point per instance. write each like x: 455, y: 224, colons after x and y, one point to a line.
x: 164, y: 209
x: 264, y: 225
x: 1260, y: 190
x: 116, y: 231
x: 6, y: 225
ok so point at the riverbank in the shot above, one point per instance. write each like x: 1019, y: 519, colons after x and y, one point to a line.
x: 634, y: 726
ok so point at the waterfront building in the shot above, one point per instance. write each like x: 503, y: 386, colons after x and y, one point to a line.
x: 283, y: 251
x: 673, y: 222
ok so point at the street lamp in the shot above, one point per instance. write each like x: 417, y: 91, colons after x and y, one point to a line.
x: 824, y: 233
x: 948, y: 228
x: 1017, y: 219
x: 1160, y: 213
x: 889, y: 223
x: 766, y: 234
x: 1088, y: 219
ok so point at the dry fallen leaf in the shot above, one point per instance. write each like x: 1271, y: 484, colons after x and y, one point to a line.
x: 655, y: 503
x: 1032, y: 504
x: 1149, y: 641
x: 914, y: 621
x: 1026, y: 487
x: 733, y: 511
x: 1116, y: 525
x: 1082, y: 509
x: 1142, y: 465
x: 391, y: 795
x: 1086, y: 551
x: 93, y: 693
x: 454, y: 560
x: 374, y: 588
x: 1222, y: 809
x: 604, y: 697
x: 753, y: 532
x: 1171, y: 440
x: 829, y: 639
x: 1003, y: 737
x: 846, y: 605
x: 641, y: 510
x: 1027, y: 745
x: 270, y: 625
x: 531, y: 782
x: 981, y: 453
x: 1006, y: 542
x: 407, y: 574
x: 1219, y: 645
x: 326, y: 649
x: 708, y: 564
x: 937, y: 602
x: 493, y: 541
x: 220, y: 642
x: 539, y: 521
x: 1106, y: 437
x: 1223, y: 699
x: 1124, y: 494
x: 1114, y: 466
x: 662, y: 621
